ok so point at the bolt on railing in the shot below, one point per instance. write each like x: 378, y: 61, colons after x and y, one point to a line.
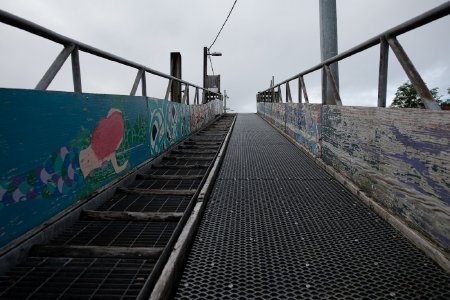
x: 72, y: 48
x: 386, y: 40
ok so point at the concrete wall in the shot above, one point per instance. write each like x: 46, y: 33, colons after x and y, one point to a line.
x: 58, y: 148
x: 399, y: 157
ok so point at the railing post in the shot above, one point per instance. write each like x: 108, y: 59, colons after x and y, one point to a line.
x: 186, y: 94
x: 280, y: 97
x: 196, y: 100
x: 288, y: 93
x: 204, y: 95
x: 54, y: 68
x: 303, y: 87
x: 169, y: 86
x: 76, y: 71
x: 144, y: 84
x: 136, y: 82
x: 334, y: 88
x: 383, y: 73
x: 300, y: 100
x: 413, y: 75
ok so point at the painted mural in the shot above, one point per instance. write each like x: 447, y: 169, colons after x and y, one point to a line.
x: 58, y: 148
x: 169, y: 123
x: 202, y: 114
x: 400, y: 157
x: 301, y: 121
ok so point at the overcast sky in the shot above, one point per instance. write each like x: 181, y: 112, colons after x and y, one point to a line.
x: 261, y: 39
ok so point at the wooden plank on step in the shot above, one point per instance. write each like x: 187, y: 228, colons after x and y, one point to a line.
x: 130, y: 216
x: 192, y: 152
x: 192, y: 166
x: 94, y: 251
x: 168, y: 177
x: 198, y: 158
x: 137, y: 191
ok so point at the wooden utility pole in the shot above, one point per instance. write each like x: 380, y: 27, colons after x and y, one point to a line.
x: 175, y: 71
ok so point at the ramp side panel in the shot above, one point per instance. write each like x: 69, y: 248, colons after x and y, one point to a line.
x: 57, y: 148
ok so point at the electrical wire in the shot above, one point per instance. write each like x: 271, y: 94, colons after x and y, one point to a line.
x: 223, y: 25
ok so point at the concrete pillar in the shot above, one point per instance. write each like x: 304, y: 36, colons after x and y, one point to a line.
x: 328, y: 45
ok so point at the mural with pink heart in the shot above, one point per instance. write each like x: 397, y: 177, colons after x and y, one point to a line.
x: 58, y: 148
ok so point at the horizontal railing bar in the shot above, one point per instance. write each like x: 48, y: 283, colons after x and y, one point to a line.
x: 423, y: 19
x: 18, y: 22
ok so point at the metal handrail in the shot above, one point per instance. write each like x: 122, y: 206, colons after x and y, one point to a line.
x: 18, y: 22
x: 387, y: 37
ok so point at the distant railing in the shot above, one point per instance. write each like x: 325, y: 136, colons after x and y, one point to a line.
x: 385, y: 39
x: 72, y: 48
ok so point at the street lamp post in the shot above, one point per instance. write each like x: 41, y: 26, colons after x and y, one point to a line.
x: 205, y: 63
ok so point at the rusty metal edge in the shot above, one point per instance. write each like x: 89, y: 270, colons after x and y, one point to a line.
x: 413, y: 236
x: 165, y: 284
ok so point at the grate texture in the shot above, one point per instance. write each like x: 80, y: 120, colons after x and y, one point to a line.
x: 194, y: 171
x: 281, y: 228
x: 145, y: 203
x: 76, y: 278
x: 166, y: 184
x: 117, y: 233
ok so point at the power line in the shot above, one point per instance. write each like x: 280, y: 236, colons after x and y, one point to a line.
x: 223, y: 25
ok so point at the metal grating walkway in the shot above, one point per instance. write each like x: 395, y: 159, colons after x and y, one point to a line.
x: 278, y: 227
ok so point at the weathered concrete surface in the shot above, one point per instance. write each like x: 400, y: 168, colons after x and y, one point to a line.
x: 399, y: 157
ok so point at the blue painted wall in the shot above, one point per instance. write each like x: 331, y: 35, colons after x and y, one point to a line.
x: 57, y: 148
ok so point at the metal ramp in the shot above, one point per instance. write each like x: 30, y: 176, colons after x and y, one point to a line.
x: 117, y: 250
x: 278, y: 227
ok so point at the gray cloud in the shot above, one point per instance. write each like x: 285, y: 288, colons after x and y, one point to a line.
x: 261, y: 39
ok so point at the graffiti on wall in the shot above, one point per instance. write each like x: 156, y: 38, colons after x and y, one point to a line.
x: 169, y: 123
x: 399, y: 157
x: 201, y: 115
x: 58, y: 148
x: 300, y: 121
x: 303, y: 122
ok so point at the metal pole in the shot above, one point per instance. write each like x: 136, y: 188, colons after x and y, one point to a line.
x: 205, y: 65
x: 328, y: 46
x: 225, y: 101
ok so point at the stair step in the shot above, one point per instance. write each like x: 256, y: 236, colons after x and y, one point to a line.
x: 137, y: 191
x: 194, y: 166
x: 168, y: 177
x: 94, y: 215
x: 198, y: 158
x: 95, y: 251
x: 192, y: 152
